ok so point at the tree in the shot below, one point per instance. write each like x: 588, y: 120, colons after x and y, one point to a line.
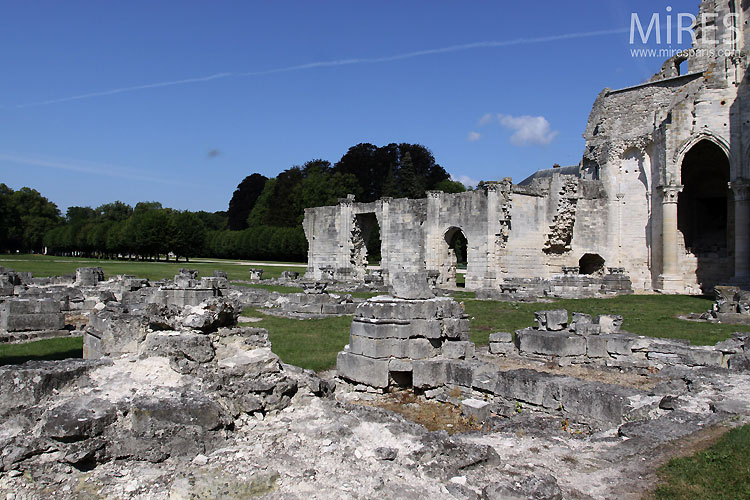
x: 189, y: 235
x: 29, y: 216
x: 116, y: 211
x: 411, y: 185
x: 449, y: 186
x: 243, y: 200
x: 80, y: 214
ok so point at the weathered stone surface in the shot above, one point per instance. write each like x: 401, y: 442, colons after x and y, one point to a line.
x: 368, y: 371
x: 33, y: 381
x: 554, y: 320
x: 551, y: 343
x: 502, y: 348
x: 480, y: 410
x: 596, y: 346
x: 609, y: 323
x: 501, y: 337
x: 411, y: 285
x: 429, y: 373
x: 78, y: 419
x: 454, y: 328
x: 193, y: 346
x: 381, y: 329
x: 256, y: 361
x: 214, y: 483
x: 457, y: 349
x: 543, y: 487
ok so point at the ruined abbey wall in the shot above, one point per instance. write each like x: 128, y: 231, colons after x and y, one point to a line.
x: 662, y: 190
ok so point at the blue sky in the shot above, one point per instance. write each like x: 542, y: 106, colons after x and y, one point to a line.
x: 179, y: 101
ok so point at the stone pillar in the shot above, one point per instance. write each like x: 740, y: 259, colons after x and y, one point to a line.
x: 432, y: 231
x: 385, y: 237
x: 670, y: 280
x: 741, y: 188
x: 493, y: 230
x: 343, y: 267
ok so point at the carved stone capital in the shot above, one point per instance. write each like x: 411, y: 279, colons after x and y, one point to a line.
x: 670, y: 192
x: 492, y: 186
x: 741, y: 189
x: 434, y: 194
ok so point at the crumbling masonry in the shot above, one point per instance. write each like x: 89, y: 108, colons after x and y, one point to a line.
x: 661, y: 192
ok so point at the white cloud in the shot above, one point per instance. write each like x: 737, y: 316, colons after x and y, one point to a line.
x: 528, y: 129
x: 473, y: 136
x: 486, y: 120
x: 465, y: 180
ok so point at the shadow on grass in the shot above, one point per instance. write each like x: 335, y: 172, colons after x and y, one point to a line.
x: 42, y: 350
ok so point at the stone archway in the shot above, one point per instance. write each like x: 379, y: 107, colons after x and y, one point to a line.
x: 454, y: 254
x: 705, y: 211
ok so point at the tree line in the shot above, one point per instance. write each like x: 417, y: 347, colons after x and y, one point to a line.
x: 263, y: 221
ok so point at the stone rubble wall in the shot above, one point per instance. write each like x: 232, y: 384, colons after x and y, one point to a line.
x: 599, y: 341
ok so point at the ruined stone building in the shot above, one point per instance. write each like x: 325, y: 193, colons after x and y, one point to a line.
x: 660, y: 194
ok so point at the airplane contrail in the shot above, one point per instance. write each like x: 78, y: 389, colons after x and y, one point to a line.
x: 335, y: 62
x: 106, y: 170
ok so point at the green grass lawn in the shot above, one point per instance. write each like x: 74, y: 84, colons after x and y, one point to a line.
x: 45, y: 265
x: 310, y: 343
x: 721, y: 472
x: 649, y: 315
x: 47, y: 349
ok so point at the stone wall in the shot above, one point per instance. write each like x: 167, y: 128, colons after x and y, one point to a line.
x: 629, y: 200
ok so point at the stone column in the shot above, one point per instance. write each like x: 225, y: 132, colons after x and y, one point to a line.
x: 670, y: 280
x: 385, y: 237
x: 493, y: 229
x: 741, y: 189
x: 343, y: 267
x: 432, y: 231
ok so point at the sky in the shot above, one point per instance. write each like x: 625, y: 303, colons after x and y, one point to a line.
x: 177, y: 102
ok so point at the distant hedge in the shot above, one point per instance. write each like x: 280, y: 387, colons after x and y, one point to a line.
x: 262, y: 242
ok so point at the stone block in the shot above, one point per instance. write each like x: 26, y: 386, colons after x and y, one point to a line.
x: 411, y: 285
x: 596, y: 347
x: 419, y: 349
x: 31, y: 322
x: 399, y: 365
x: 554, y: 320
x: 381, y: 329
x: 475, y: 408
x: 429, y: 373
x: 378, y: 348
x: 31, y: 306
x: 500, y: 337
x: 609, y: 323
x: 390, y: 308
x: 457, y: 349
x: 459, y: 373
x: 523, y: 385
x: 502, y: 348
x: 687, y: 355
x: 368, y: 371
x: 620, y: 343
x: 551, y: 343
x: 456, y: 328
x: 427, y: 328
x: 193, y: 346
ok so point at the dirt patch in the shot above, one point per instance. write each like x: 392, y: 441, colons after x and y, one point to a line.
x: 591, y: 374
x: 433, y: 415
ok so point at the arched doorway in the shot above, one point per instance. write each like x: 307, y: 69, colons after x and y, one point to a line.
x: 366, y: 244
x: 705, y: 210
x: 454, y: 257
x: 591, y: 264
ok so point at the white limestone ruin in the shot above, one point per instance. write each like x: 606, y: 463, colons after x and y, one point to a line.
x: 661, y: 192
